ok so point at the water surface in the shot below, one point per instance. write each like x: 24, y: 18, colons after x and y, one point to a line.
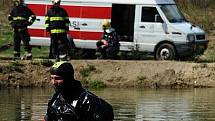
x: 129, y: 104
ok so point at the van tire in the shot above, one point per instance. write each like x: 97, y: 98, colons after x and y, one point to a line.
x: 165, y: 51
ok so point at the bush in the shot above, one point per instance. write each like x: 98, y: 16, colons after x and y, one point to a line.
x: 96, y: 84
x: 85, y: 72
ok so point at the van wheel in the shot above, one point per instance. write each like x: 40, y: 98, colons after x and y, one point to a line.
x: 165, y: 52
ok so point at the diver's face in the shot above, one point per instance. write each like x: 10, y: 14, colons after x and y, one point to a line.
x: 56, y: 80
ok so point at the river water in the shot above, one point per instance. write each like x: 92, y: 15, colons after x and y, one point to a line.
x: 128, y: 104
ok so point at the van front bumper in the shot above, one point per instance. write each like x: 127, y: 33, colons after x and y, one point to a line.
x: 190, y: 48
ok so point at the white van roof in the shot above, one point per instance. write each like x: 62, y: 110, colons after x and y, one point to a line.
x: 151, y: 2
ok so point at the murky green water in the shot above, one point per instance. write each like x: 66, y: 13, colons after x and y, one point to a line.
x: 128, y: 104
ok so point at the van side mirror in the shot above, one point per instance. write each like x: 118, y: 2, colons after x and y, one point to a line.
x: 158, y: 18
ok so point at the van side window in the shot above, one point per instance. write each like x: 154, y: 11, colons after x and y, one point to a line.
x: 148, y: 14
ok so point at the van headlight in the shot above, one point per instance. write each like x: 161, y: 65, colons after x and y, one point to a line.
x: 190, y: 38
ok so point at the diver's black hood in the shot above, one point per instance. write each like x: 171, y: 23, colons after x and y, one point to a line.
x: 63, y: 69
x: 70, y: 88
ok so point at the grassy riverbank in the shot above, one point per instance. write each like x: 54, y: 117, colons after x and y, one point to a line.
x: 116, y: 73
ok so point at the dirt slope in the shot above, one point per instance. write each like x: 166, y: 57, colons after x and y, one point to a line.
x: 115, y: 73
x: 150, y: 73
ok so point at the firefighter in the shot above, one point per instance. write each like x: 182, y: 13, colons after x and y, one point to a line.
x: 57, y: 24
x: 71, y: 102
x: 20, y: 18
x: 108, y: 46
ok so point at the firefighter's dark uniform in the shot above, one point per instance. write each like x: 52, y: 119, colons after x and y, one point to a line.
x: 112, y: 49
x: 57, y: 23
x: 20, y: 18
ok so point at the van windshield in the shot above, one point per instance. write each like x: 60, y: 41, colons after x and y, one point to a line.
x: 173, y: 14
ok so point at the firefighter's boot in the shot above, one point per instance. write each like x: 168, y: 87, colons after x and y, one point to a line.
x: 27, y: 56
x: 16, y: 55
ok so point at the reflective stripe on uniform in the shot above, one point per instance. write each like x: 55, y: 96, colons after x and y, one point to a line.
x: 56, y: 65
x: 57, y: 18
x: 47, y: 18
x: 57, y: 31
x: 19, y: 18
x: 46, y: 25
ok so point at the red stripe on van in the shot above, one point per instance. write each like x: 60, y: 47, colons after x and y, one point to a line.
x: 37, y: 32
x: 38, y: 9
x: 75, y: 11
x: 75, y: 34
x: 90, y: 35
x: 96, y: 12
x: 84, y: 35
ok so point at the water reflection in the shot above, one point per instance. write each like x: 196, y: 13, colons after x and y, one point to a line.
x: 128, y: 104
x: 23, y: 104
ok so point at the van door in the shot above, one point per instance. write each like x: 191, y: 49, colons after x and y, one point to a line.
x: 91, y: 16
x: 149, y: 27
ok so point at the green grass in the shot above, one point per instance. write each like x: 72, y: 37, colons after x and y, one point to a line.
x: 85, y: 72
x: 208, y: 57
x: 141, y: 78
x: 40, y: 53
x: 97, y: 84
x: 6, y: 37
x: 36, y: 52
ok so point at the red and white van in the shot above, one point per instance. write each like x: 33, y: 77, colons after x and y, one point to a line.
x: 154, y: 26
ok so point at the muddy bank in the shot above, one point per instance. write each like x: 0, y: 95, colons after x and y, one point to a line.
x: 113, y: 73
